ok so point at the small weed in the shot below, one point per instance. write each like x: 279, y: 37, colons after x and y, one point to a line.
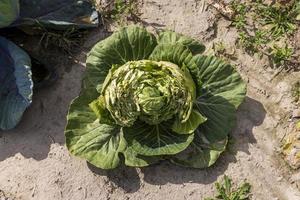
x: 296, y: 92
x: 227, y: 192
x: 280, y: 55
x: 120, y: 11
x: 239, y: 19
x: 279, y: 19
x: 244, y: 40
x: 219, y: 48
x: 259, y: 24
x: 260, y: 38
x: 224, y: 52
x: 253, y: 43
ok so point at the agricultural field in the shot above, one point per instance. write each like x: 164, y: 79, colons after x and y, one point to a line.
x: 260, y: 39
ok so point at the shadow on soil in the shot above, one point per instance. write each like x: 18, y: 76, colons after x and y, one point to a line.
x: 41, y: 125
x: 250, y: 114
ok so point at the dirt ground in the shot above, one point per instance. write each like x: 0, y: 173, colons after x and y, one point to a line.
x: 35, y: 164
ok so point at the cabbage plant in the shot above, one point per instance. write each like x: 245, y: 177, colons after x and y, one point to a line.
x: 148, y: 98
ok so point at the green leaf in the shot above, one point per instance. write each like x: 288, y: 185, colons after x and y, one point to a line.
x: 177, y: 54
x: 15, y: 83
x: 98, y: 143
x: 9, y: 12
x: 227, y: 191
x: 222, y: 90
x: 219, y: 79
x: 201, y: 153
x: 128, y: 44
x: 220, y: 115
x: 171, y: 37
x: 190, y: 125
x: 174, y: 53
x: 189, y: 82
x: 104, y: 116
x: 155, y: 140
x: 132, y: 159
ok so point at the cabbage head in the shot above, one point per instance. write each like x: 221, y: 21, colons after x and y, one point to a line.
x: 16, y: 85
x: 148, y: 98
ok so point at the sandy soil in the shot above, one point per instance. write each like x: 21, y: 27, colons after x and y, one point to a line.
x: 35, y: 164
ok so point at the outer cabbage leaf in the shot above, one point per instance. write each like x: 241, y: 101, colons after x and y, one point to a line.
x: 207, y: 153
x: 174, y: 53
x: 193, y: 45
x: 98, y: 143
x: 220, y: 79
x: 58, y: 14
x: 9, y: 11
x: 104, y: 116
x: 222, y: 91
x: 177, y: 54
x: 15, y: 83
x: 155, y: 140
x: 190, y: 125
x: 132, y: 159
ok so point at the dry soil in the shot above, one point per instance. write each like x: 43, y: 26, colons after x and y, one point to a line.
x: 35, y: 164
